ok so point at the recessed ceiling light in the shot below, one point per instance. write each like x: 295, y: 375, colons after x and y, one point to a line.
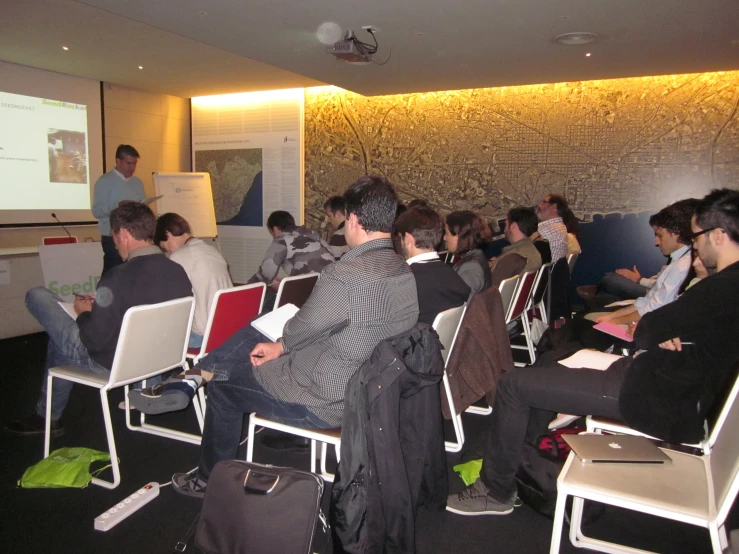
x: 575, y: 39
x: 203, y: 13
x: 65, y: 47
x: 141, y: 67
x: 587, y: 55
x: 419, y: 34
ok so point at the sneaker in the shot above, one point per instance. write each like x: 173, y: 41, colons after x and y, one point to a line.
x: 34, y: 425
x: 474, y: 501
x: 162, y: 398
x: 189, y: 484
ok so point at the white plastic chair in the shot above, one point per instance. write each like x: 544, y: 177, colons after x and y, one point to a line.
x: 699, y: 490
x: 447, y: 325
x: 519, y: 309
x: 153, y: 339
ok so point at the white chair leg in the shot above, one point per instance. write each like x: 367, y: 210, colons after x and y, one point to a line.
x: 576, y: 520
x: 478, y: 410
x: 559, y: 513
x: 718, y: 538
x: 47, y: 434
x: 456, y: 420
x: 312, y: 456
x: 111, y: 445
x: 250, y: 440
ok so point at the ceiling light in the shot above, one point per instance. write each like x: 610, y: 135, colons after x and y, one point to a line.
x: 575, y: 39
x: 588, y: 55
x: 141, y: 67
x: 65, y: 47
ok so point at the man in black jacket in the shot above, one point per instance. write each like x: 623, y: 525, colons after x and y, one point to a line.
x: 439, y: 286
x: 690, y: 350
x: 147, y: 277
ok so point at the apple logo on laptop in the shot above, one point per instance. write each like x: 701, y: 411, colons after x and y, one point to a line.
x: 614, y: 445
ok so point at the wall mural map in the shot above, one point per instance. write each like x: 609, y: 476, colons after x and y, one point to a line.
x: 623, y: 145
x: 236, y: 177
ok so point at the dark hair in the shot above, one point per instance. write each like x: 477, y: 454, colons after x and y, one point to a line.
x: 173, y: 223
x: 720, y: 209
x: 675, y: 218
x: 136, y: 218
x: 423, y: 223
x: 335, y: 204
x: 373, y: 200
x: 281, y: 219
x: 467, y: 226
x: 570, y: 220
x: 526, y: 219
x: 126, y: 150
x: 417, y: 202
x: 560, y: 202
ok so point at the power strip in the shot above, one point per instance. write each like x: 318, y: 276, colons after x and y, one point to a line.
x: 126, y: 507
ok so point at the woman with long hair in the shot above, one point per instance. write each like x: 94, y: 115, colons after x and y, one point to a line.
x: 463, y: 235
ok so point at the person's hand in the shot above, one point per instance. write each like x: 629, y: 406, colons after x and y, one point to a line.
x: 672, y: 344
x: 632, y: 328
x: 633, y: 275
x: 83, y: 304
x: 265, y: 351
x: 492, y: 261
x: 603, y: 318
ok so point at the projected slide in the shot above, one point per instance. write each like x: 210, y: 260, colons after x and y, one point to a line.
x: 43, y: 154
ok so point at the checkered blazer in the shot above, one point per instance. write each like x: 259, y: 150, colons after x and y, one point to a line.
x: 367, y: 296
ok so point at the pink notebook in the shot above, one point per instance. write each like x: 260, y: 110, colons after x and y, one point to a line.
x: 618, y: 331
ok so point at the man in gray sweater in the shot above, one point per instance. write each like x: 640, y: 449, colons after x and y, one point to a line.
x: 113, y: 188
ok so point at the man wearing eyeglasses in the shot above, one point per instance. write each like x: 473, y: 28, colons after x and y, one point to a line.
x: 672, y: 236
x: 689, y: 357
x: 551, y: 226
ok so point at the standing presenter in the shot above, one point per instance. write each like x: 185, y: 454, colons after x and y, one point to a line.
x: 111, y: 190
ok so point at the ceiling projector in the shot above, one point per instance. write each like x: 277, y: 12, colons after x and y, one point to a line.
x: 353, y: 50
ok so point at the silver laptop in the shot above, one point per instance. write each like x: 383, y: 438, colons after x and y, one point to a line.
x: 616, y: 449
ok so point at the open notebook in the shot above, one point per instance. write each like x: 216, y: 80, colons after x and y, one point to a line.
x: 272, y: 323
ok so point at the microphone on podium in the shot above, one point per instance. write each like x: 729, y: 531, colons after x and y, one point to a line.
x: 62, y: 224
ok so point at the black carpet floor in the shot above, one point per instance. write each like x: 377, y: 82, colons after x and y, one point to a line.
x: 61, y: 520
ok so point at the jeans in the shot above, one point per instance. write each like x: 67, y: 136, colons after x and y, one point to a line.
x: 233, y: 392
x: 196, y: 341
x: 65, y: 347
x: 111, y: 257
x: 524, y: 404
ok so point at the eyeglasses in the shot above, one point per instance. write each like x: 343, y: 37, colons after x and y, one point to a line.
x: 694, y: 236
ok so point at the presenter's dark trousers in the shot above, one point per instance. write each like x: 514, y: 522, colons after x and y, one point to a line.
x: 111, y: 258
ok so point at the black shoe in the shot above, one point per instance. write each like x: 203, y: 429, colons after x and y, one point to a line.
x: 34, y: 425
x: 189, y: 484
x: 285, y: 441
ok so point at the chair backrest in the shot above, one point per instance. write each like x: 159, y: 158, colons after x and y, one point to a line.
x: 507, y: 266
x: 447, y: 325
x: 153, y: 338
x: 507, y: 288
x: 540, y: 284
x: 47, y: 241
x: 521, y: 296
x: 295, y: 290
x: 231, y: 310
x: 571, y: 261
x: 724, y: 456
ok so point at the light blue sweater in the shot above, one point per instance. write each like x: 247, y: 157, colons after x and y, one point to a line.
x: 111, y: 189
